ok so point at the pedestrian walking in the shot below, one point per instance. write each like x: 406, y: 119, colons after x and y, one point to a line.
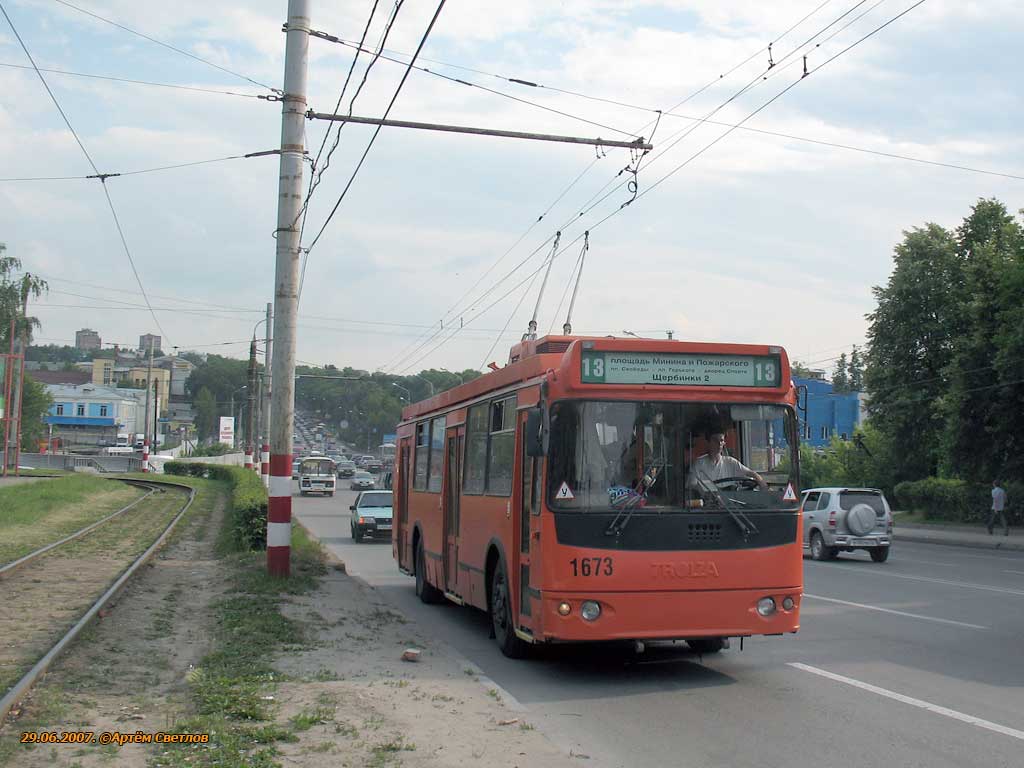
x: 998, y: 509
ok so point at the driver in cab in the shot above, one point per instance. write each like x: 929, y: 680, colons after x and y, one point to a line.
x: 716, y: 466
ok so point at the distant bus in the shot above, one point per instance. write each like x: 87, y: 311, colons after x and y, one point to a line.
x: 562, y: 493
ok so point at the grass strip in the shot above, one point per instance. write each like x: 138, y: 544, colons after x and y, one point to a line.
x: 33, y: 515
x: 231, y: 691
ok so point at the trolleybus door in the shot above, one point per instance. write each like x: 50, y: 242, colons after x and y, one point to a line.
x: 452, y: 489
x: 401, y: 522
x: 528, y: 507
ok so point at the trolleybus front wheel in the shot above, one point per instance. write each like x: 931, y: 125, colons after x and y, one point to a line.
x: 501, y: 617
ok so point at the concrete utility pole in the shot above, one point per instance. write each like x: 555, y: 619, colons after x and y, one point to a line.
x: 18, y: 382
x: 265, y: 410
x: 250, y: 427
x: 149, y: 386
x: 156, y: 413
x: 286, y: 288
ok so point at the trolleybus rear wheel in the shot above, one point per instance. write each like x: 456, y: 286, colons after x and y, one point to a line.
x: 428, y: 592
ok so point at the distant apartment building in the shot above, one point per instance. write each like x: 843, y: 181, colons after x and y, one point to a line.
x: 146, y: 340
x: 107, y: 373
x: 87, y: 339
x: 92, y: 416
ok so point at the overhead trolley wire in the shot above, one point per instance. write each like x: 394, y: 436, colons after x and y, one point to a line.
x: 130, y: 81
x: 166, y: 45
x: 440, y: 326
x: 317, y: 172
x: 376, y: 133
x: 100, y: 176
x: 136, y: 172
x: 706, y: 147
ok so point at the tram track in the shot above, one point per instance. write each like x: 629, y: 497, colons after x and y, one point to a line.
x: 54, y: 592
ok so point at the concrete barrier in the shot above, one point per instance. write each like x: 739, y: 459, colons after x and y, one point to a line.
x: 230, y: 459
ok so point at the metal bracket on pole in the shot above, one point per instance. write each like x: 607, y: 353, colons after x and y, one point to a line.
x: 638, y: 143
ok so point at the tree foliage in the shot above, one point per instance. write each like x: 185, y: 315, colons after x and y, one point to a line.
x: 14, y: 289
x: 945, y: 365
x: 35, y: 402
x: 840, y: 380
x: 204, y: 404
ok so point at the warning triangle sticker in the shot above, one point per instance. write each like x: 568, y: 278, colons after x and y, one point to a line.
x: 790, y: 494
x: 565, y: 492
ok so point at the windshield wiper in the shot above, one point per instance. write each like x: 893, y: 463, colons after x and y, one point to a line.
x: 633, y: 501
x: 745, y: 524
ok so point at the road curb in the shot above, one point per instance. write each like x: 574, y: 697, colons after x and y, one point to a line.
x: 922, y: 537
x: 330, y: 558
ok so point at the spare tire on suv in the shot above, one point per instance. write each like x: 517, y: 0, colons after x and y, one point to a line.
x: 860, y: 520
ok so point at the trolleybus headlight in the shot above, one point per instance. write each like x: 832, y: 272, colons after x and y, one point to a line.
x: 766, y: 606
x: 787, y: 604
x: 564, y: 609
x: 590, y: 610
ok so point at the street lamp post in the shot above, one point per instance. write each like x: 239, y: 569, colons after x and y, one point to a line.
x: 408, y: 396
x: 429, y: 382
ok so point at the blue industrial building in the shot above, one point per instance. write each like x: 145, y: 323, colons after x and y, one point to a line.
x: 828, y: 413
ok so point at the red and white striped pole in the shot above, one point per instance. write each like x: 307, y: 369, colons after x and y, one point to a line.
x: 145, y: 454
x: 248, y: 458
x: 286, y: 287
x: 265, y: 463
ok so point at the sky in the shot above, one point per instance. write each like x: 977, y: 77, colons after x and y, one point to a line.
x: 434, y: 257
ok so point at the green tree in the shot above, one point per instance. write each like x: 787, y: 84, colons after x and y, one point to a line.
x: 855, y: 371
x: 205, y: 406
x: 840, y: 383
x: 14, y: 290
x: 977, y: 438
x: 800, y: 371
x: 35, y: 402
x: 911, y: 337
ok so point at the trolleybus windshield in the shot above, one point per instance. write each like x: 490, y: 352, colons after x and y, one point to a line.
x: 606, y: 456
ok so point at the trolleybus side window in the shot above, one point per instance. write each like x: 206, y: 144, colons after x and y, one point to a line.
x: 422, y: 453
x: 501, y: 447
x: 436, y: 454
x: 474, y: 473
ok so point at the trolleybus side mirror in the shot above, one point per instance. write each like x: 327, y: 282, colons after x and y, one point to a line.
x: 534, y: 432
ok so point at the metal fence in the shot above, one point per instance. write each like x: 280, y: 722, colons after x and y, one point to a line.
x: 75, y: 463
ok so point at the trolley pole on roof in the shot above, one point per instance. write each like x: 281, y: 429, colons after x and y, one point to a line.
x: 286, y: 288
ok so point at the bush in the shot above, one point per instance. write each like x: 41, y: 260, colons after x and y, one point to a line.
x: 248, y: 499
x: 214, y: 449
x: 939, y: 498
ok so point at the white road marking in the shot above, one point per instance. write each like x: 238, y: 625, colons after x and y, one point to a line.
x: 964, y: 584
x: 934, y: 708
x: 898, y: 613
x: 1020, y: 572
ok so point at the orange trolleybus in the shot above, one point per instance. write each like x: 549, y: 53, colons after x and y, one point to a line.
x: 583, y: 493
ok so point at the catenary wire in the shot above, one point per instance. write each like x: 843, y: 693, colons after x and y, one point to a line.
x: 130, y: 81
x: 318, y: 171
x: 376, y: 133
x: 588, y: 207
x: 165, y: 45
x: 403, y: 356
x: 106, y: 192
x: 132, y: 173
x: 715, y: 141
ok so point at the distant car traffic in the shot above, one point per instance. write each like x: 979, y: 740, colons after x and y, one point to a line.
x: 844, y: 519
x: 361, y: 481
x: 346, y: 468
x: 371, y: 515
x: 374, y: 465
x: 295, y: 468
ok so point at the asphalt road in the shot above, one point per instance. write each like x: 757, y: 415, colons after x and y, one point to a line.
x: 915, y: 662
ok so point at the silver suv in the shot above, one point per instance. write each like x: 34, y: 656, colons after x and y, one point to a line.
x: 844, y: 519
